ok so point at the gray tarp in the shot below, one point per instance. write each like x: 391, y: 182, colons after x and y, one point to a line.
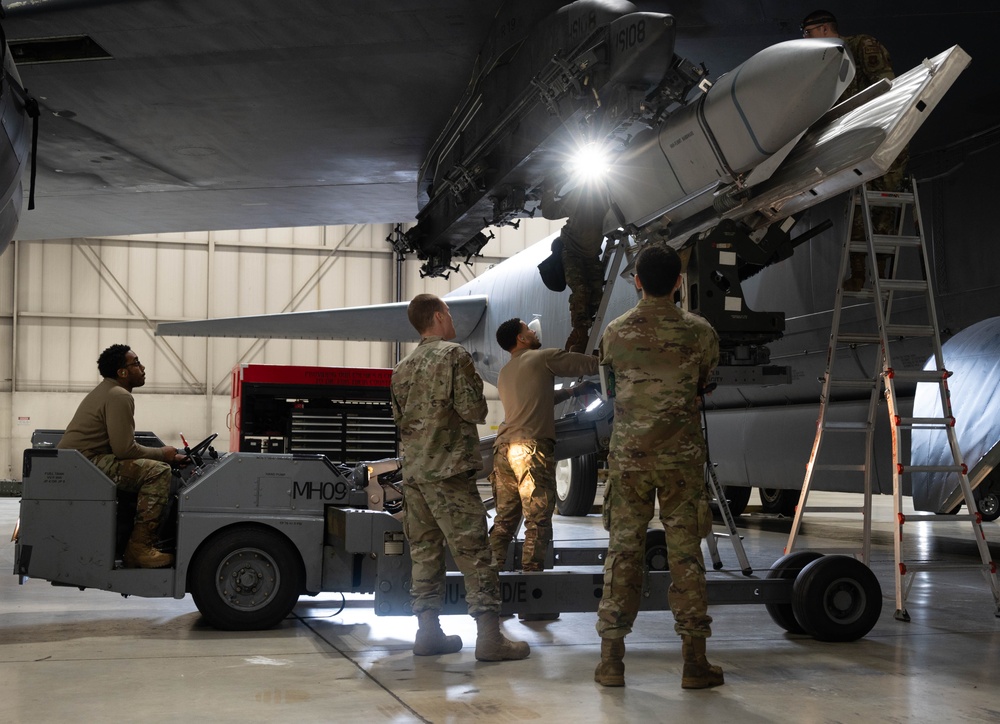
x: 973, y: 356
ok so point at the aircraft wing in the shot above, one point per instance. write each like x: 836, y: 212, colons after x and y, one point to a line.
x: 385, y: 322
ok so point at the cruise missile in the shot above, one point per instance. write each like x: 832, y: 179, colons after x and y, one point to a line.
x: 728, y: 139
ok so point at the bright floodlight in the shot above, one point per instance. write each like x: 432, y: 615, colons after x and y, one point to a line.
x: 590, y: 162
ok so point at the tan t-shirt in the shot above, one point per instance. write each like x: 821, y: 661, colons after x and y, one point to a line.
x: 105, y: 423
x: 526, y: 390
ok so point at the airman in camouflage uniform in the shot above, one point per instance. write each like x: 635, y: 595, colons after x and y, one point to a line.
x: 872, y: 64
x: 582, y: 239
x: 437, y: 401
x: 524, y: 481
x: 657, y: 357
x: 103, y: 429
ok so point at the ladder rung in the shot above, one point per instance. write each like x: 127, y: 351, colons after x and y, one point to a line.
x: 927, y: 423
x: 903, y: 285
x: 864, y: 384
x: 859, y: 338
x: 888, y: 198
x: 919, y: 567
x: 910, y: 469
x: 885, y: 244
x: 894, y: 240
x: 840, y: 468
x: 846, y: 426
x: 940, y: 518
x: 909, y: 330
x: 919, y: 375
x: 834, y: 509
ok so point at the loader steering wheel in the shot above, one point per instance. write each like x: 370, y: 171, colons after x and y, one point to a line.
x: 198, y: 450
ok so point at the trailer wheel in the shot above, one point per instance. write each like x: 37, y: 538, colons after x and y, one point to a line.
x: 787, y: 568
x: 246, y: 579
x: 656, y: 550
x: 837, y: 598
x: 576, y: 485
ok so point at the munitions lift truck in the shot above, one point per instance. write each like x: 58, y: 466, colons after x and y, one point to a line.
x: 255, y: 531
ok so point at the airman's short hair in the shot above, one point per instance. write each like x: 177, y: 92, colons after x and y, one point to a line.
x: 112, y: 359
x: 421, y: 309
x: 658, y: 267
x: 507, y: 334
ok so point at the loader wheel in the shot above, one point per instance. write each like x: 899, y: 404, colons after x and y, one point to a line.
x: 576, y: 485
x: 245, y: 579
x: 778, y: 502
x: 787, y: 568
x: 837, y: 598
x: 738, y: 497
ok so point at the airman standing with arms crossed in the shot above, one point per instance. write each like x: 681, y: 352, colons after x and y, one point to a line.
x: 437, y: 401
x: 524, y: 482
x: 658, y: 357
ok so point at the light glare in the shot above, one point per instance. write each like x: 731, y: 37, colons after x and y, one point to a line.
x: 590, y: 162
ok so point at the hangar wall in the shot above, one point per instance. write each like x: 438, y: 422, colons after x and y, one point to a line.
x: 63, y: 301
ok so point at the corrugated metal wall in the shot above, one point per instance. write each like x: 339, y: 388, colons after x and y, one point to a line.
x: 63, y: 301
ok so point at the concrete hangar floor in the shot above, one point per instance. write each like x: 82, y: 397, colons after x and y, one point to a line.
x: 67, y: 655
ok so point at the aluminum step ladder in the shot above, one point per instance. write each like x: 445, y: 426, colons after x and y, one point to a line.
x: 717, y: 494
x: 886, y: 251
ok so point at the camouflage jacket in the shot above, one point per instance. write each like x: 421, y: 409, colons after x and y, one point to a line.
x: 437, y: 401
x: 871, y: 62
x: 657, y: 356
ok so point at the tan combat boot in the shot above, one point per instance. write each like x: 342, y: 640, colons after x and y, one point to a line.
x: 698, y: 673
x: 140, y: 551
x: 611, y: 670
x: 431, y: 640
x: 491, y: 645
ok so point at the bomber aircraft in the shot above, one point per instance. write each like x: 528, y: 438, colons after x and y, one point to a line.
x: 155, y: 117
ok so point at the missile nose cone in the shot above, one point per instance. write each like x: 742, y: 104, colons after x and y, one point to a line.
x: 803, y: 78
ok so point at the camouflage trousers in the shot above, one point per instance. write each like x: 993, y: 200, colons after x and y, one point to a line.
x: 450, y: 512
x: 686, y: 518
x: 585, y: 279
x: 149, y: 479
x: 524, y: 484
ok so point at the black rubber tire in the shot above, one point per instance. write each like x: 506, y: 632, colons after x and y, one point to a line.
x: 656, y: 550
x: 989, y: 505
x: 575, y: 492
x: 777, y: 501
x: 267, y: 562
x: 787, y: 568
x: 837, y: 598
x: 738, y: 498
